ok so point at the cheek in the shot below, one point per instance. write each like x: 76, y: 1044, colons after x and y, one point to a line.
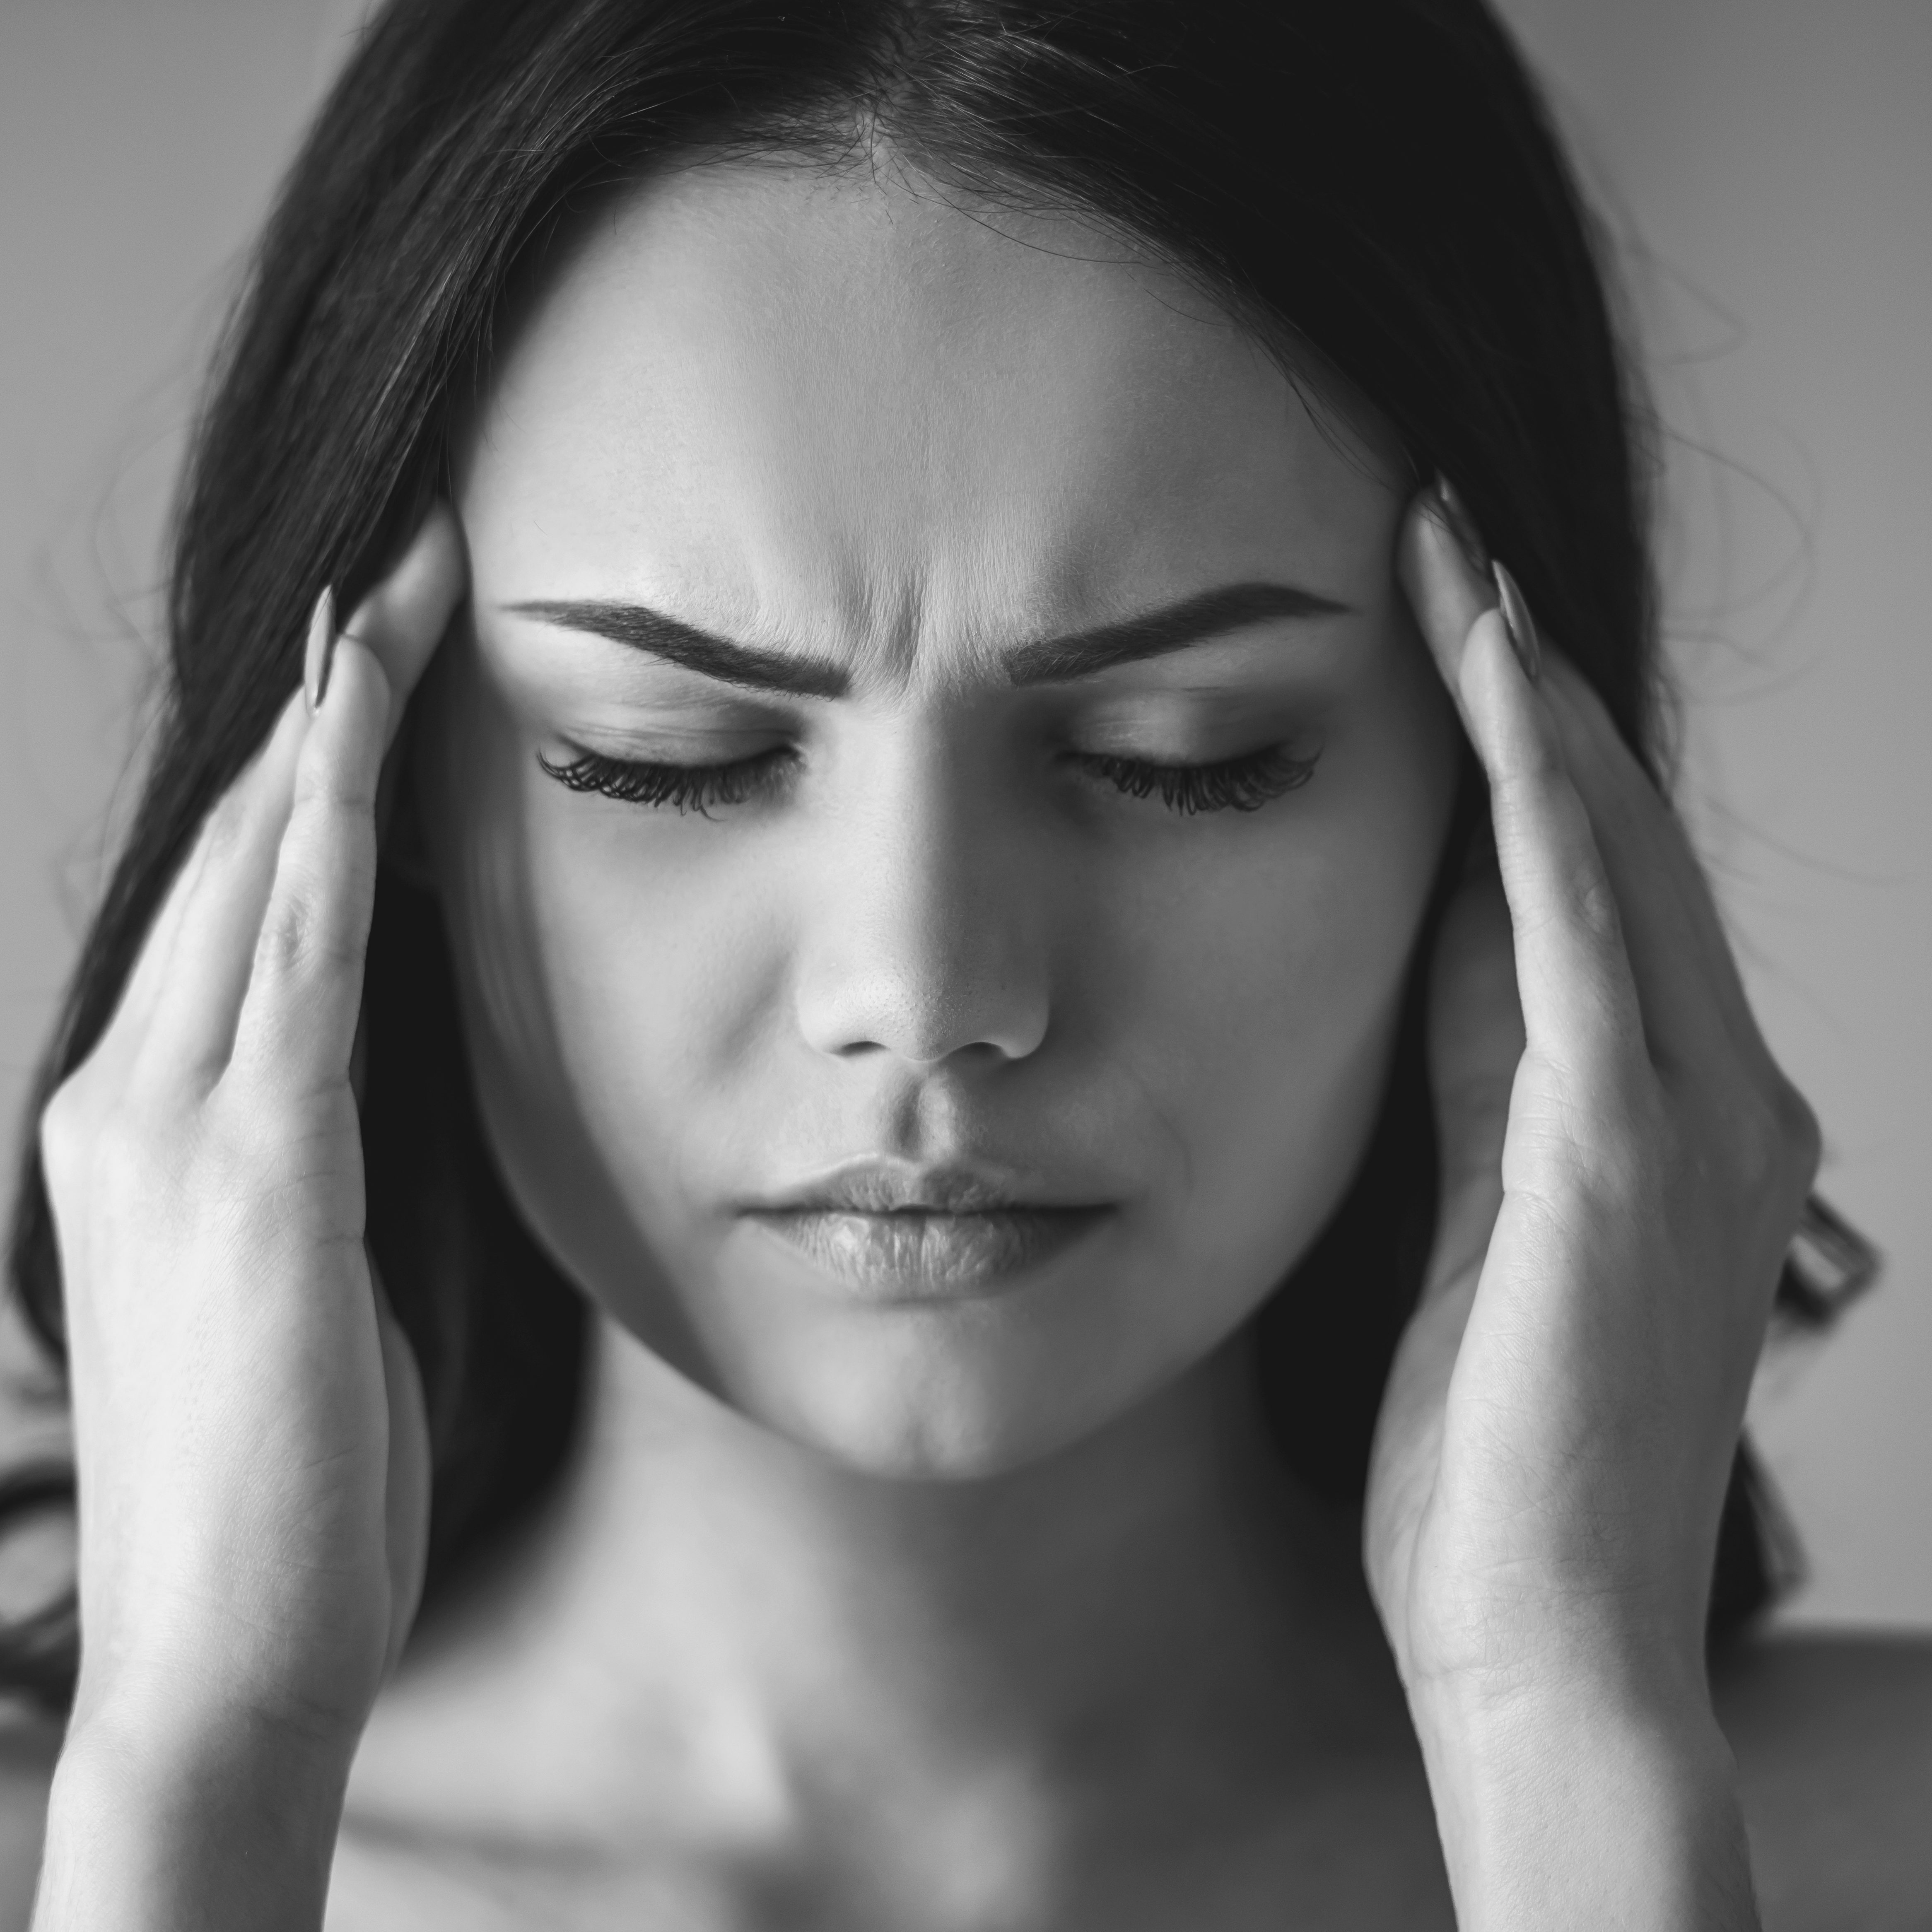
x: 616, y: 970
x: 1265, y: 975
x: 595, y: 997
x: 664, y: 972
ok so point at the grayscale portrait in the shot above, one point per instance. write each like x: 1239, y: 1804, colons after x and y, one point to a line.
x: 968, y: 966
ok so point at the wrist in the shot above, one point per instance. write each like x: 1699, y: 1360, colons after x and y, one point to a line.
x: 1586, y: 1798
x: 201, y: 1691
x: 156, y: 1822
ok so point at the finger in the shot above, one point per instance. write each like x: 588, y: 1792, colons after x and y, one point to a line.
x: 298, y: 1022
x: 1694, y: 999
x: 1447, y: 588
x: 1573, y: 973
x: 1689, y: 993
x: 1579, y: 995
x: 402, y: 620
x: 177, y: 1015
x: 177, y: 1012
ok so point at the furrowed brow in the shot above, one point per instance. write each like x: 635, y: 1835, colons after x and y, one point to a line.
x: 1154, y: 634
x: 644, y: 629
x: 1196, y: 620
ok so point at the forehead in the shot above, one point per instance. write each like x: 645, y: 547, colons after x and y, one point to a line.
x: 849, y: 408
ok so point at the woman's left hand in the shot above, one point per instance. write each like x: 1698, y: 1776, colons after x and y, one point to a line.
x: 1623, y: 1166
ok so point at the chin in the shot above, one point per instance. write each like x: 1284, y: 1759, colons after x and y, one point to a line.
x: 953, y: 1417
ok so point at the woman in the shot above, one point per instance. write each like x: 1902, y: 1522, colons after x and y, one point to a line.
x: 984, y: 893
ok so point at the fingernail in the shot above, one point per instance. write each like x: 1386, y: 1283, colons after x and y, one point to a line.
x: 1462, y: 525
x: 320, y: 654
x: 1521, y: 625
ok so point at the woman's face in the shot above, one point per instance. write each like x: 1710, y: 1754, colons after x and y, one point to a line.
x: 948, y: 545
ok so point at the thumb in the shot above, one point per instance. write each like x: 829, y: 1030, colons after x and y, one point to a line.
x: 408, y: 1493
x: 1475, y: 1045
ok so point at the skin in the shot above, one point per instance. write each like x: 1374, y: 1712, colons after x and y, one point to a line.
x: 991, y: 1607
x: 939, y: 939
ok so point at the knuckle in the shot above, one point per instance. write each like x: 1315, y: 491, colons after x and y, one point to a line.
x: 300, y: 940
x: 1767, y: 1143
x: 1536, y: 755
x: 107, y: 1133
x: 226, y: 833
x: 287, y: 936
x: 1656, y: 1155
x: 125, y: 1149
x: 80, y: 1120
x: 103, y: 1160
x: 65, y: 1128
x: 227, y: 823
x: 328, y: 788
x: 1592, y: 903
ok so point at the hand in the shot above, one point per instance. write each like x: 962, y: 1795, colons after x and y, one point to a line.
x: 1623, y: 1165
x: 252, y: 1458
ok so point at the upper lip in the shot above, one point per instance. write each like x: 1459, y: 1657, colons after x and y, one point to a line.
x: 881, y: 1186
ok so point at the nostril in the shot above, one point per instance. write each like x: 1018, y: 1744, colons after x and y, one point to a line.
x: 876, y: 1009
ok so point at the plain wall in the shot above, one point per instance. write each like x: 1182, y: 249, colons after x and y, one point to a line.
x: 1774, y: 157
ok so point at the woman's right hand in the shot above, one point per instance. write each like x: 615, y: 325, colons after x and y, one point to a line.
x: 251, y: 1453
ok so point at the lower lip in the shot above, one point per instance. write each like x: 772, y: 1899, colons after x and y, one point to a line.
x: 928, y: 1257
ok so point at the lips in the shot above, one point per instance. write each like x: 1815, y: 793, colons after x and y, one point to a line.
x: 920, y: 1256
x: 896, y: 1232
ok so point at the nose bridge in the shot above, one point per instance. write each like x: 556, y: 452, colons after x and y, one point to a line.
x: 922, y: 936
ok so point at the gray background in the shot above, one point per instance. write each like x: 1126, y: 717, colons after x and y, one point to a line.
x: 1766, y: 165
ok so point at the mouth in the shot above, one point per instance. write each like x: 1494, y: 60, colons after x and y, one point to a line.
x: 899, y: 1233
x: 909, y: 1255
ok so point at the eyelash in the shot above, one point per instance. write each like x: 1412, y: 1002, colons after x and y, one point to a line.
x: 1245, y: 783
x: 684, y: 787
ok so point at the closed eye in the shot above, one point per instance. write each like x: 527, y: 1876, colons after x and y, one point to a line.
x: 697, y: 788
x: 1244, y: 783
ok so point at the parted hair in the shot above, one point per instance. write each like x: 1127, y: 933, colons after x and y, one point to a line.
x: 1374, y: 186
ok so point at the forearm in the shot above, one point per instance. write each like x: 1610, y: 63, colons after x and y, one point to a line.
x: 1588, y: 1807
x: 197, y: 1833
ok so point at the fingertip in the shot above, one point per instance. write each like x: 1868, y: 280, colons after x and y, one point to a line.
x: 366, y: 685
x: 1446, y: 591
x: 349, y: 729
x: 1511, y: 728
x: 403, y: 619
x: 1410, y: 561
x: 1490, y: 679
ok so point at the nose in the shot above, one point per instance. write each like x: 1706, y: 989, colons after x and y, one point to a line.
x: 923, y: 923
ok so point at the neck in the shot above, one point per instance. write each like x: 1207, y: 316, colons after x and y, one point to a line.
x: 1161, y: 1585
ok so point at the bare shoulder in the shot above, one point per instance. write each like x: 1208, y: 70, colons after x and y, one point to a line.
x: 27, y: 1753
x: 1833, y: 1737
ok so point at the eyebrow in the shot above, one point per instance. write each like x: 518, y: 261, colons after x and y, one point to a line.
x: 1077, y: 654
x: 1154, y: 634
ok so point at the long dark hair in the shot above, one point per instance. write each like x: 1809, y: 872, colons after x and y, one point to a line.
x: 1373, y: 184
